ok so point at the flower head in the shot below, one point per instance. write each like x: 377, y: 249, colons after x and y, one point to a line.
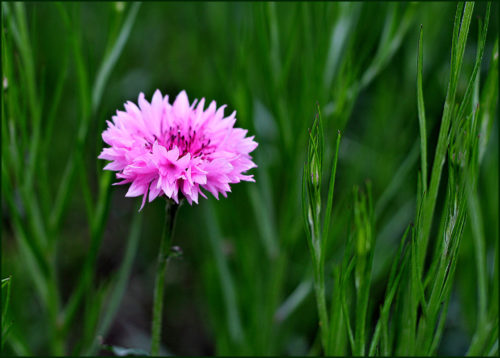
x: 164, y: 149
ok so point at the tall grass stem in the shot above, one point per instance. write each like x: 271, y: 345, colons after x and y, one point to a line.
x: 163, y: 255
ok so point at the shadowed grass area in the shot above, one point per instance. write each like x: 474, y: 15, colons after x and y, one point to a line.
x: 372, y: 226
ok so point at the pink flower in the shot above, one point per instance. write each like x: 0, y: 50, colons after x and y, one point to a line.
x: 165, y: 149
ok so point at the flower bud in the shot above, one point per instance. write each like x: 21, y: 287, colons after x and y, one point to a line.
x: 315, y: 170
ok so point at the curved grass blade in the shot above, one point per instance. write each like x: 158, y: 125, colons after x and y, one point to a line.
x: 109, y: 311
x: 109, y: 61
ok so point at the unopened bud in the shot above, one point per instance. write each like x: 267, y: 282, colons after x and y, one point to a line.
x: 364, y: 242
x: 315, y: 171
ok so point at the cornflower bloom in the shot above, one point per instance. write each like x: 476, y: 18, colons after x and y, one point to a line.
x: 181, y: 148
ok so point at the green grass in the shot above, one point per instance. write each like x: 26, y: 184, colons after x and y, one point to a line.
x: 358, y: 237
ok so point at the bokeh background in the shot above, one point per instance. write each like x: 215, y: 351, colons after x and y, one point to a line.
x: 245, y: 255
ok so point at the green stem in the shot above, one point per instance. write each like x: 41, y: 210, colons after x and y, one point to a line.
x: 319, y: 288
x: 163, y: 255
x: 480, y: 250
x: 54, y: 307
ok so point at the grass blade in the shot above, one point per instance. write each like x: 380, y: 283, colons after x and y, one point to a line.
x: 328, y: 212
x: 110, y: 310
x: 228, y: 288
x: 421, y: 112
x: 458, y: 48
x: 109, y: 61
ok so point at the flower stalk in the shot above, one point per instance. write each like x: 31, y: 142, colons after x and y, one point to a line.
x: 317, y: 229
x: 163, y: 256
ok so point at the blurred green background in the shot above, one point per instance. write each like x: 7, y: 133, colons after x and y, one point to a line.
x: 242, y: 256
